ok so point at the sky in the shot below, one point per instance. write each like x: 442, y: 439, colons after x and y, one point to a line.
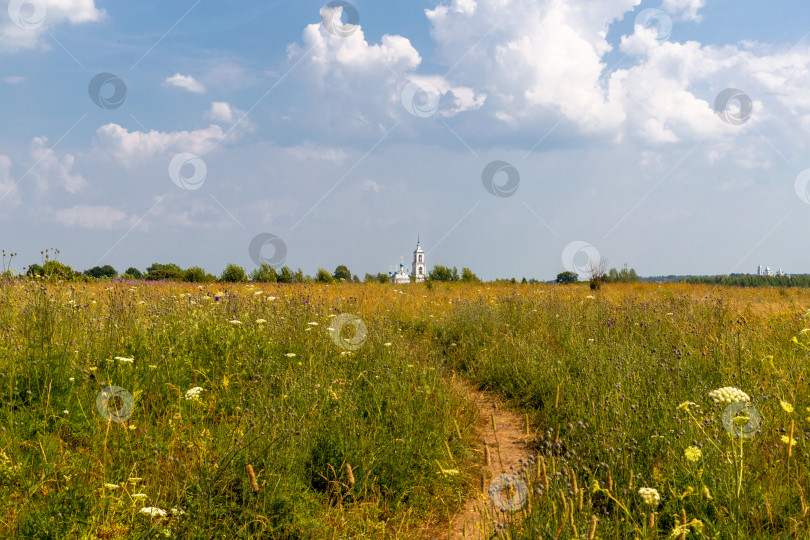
x: 514, y: 137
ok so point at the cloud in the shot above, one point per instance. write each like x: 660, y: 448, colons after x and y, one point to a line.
x: 186, y: 82
x: 687, y: 9
x: 9, y: 192
x: 91, y: 217
x: 133, y: 147
x: 14, y: 79
x: 49, y: 168
x: 27, y: 21
x: 354, y: 87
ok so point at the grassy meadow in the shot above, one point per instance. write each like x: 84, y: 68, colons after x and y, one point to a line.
x: 269, y: 411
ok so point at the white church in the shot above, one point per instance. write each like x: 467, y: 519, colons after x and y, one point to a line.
x: 402, y: 275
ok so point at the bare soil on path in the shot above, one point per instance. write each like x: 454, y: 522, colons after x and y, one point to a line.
x: 507, y: 444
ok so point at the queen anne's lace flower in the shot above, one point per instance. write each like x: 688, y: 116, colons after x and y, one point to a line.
x: 728, y: 394
x: 153, y: 511
x: 194, y: 394
x: 650, y: 496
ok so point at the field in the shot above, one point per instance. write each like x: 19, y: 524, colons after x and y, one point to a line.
x: 338, y: 411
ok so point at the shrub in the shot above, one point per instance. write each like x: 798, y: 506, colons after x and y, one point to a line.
x: 233, y: 273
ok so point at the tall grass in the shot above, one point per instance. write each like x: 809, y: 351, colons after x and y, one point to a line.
x: 375, y: 442
x: 279, y: 395
x: 619, y: 384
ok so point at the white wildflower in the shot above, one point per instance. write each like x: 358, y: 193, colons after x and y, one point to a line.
x: 235, y: 322
x: 650, y: 496
x: 728, y: 394
x: 125, y: 360
x: 153, y: 511
x: 290, y: 355
x: 194, y: 393
x: 260, y: 321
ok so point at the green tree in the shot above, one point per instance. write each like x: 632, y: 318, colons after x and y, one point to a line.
x: 56, y: 270
x: 158, y: 272
x: 567, y: 277
x: 233, y: 274
x: 133, y: 272
x: 195, y: 274
x: 369, y: 278
x: 286, y: 275
x: 440, y: 273
x: 264, y: 274
x: 300, y: 277
x: 382, y: 277
x: 355, y: 279
x: 324, y: 276
x: 467, y: 275
x: 342, y: 272
x: 101, y: 272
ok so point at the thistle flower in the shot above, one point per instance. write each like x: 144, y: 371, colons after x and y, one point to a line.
x: 194, y: 393
x: 728, y: 395
x: 693, y: 453
x: 650, y: 496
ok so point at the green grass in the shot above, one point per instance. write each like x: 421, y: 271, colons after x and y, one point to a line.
x: 601, y: 378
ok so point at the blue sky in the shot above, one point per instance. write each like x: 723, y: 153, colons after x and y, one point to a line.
x: 608, y: 125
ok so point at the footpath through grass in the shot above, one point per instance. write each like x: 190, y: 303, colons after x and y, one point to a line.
x: 360, y: 436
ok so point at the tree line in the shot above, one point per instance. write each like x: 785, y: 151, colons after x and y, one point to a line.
x: 55, y: 270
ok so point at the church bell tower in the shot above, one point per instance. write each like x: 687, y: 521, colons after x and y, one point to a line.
x: 419, y: 268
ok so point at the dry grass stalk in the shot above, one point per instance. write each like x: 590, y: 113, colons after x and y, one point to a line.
x: 592, y: 530
x: 252, y: 476
x: 349, y: 474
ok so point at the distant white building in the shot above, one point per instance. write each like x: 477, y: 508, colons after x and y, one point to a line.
x: 768, y: 272
x: 403, y: 275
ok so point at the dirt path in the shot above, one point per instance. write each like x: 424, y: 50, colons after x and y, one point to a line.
x: 506, y: 444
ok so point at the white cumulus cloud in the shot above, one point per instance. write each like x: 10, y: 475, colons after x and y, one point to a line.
x: 186, y: 82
